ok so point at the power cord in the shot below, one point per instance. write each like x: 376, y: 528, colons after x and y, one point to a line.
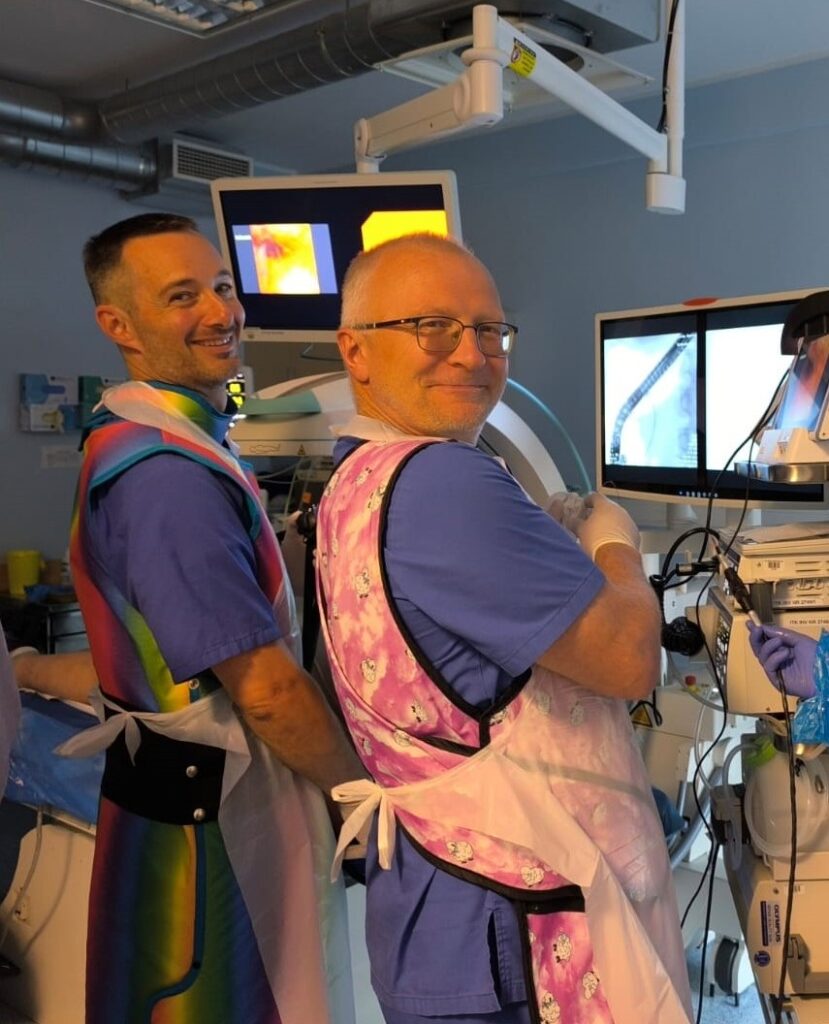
x: 712, y: 869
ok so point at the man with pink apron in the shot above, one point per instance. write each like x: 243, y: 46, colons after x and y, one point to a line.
x: 517, y: 870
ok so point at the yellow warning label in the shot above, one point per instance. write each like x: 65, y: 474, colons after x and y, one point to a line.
x: 522, y: 59
x: 641, y: 717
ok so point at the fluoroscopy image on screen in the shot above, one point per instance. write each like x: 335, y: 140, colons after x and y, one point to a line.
x: 650, y: 400
x: 743, y: 368
x: 285, y: 259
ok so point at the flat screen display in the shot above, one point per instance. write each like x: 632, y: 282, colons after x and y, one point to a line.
x: 289, y: 240
x: 679, y: 389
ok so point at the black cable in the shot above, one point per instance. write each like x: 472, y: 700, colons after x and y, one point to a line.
x: 666, y: 63
x: 709, y: 871
x: 696, y: 892
x: 712, y: 865
x: 667, y: 574
x: 764, y: 417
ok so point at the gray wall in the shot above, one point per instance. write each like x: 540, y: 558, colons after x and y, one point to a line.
x: 49, y: 328
x: 556, y: 210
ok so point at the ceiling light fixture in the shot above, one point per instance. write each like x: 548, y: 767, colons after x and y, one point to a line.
x: 195, y: 17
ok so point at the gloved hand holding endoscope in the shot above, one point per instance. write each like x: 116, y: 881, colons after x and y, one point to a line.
x: 595, y: 520
x: 788, y: 653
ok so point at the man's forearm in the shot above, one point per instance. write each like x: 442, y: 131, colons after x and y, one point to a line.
x: 636, y: 643
x: 302, y: 731
x: 284, y: 707
x: 68, y: 676
x: 613, y: 646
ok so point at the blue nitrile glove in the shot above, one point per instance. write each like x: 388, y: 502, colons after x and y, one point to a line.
x: 785, y: 651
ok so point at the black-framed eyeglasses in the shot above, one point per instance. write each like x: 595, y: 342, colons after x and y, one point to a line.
x: 444, y: 333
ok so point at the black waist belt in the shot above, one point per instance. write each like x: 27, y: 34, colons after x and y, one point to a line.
x: 171, y: 781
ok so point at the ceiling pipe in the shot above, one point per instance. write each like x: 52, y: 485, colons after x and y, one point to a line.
x: 334, y: 48
x: 119, y: 167
x: 25, y: 108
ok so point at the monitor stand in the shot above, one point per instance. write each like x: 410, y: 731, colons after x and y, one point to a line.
x: 752, y: 517
x: 681, y: 516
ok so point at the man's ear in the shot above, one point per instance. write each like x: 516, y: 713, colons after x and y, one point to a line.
x: 352, y: 349
x: 117, y: 325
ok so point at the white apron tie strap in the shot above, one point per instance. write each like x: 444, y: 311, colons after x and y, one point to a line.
x: 365, y: 797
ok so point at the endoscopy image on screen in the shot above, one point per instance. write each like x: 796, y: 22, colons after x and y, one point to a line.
x: 743, y: 369
x: 806, y: 388
x: 285, y: 259
x: 650, y: 402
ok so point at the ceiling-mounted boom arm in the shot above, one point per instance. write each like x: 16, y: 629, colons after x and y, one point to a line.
x: 476, y: 98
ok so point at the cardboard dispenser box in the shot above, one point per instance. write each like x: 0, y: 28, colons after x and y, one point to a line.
x: 48, y: 403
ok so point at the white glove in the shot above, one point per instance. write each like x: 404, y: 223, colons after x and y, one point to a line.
x: 604, y: 522
x: 566, y: 508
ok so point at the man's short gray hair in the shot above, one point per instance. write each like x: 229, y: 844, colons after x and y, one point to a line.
x: 356, y: 304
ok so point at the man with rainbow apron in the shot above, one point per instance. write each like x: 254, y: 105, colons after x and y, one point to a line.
x: 210, y: 901
x: 482, y: 654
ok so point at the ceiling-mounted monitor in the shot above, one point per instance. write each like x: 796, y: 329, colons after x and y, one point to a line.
x: 678, y: 388
x: 289, y: 240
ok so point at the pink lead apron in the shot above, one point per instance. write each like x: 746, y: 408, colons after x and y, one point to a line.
x: 544, y: 799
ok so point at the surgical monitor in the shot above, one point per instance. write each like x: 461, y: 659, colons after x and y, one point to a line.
x: 288, y: 240
x: 678, y: 389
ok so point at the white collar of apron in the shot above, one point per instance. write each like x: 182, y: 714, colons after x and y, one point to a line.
x: 369, y: 429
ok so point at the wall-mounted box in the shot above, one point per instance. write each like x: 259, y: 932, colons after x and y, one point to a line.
x: 48, y: 404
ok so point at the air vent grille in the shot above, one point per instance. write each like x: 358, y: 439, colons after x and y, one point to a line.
x: 193, y: 162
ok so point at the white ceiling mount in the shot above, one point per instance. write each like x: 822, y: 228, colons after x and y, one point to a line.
x: 442, y: 63
x: 477, y: 96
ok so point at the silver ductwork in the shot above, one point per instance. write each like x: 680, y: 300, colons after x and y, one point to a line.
x: 330, y: 50
x: 42, y: 129
x: 126, y: 168
x: 27, y: 109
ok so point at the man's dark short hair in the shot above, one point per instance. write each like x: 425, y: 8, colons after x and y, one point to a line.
x: 102, y: 253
